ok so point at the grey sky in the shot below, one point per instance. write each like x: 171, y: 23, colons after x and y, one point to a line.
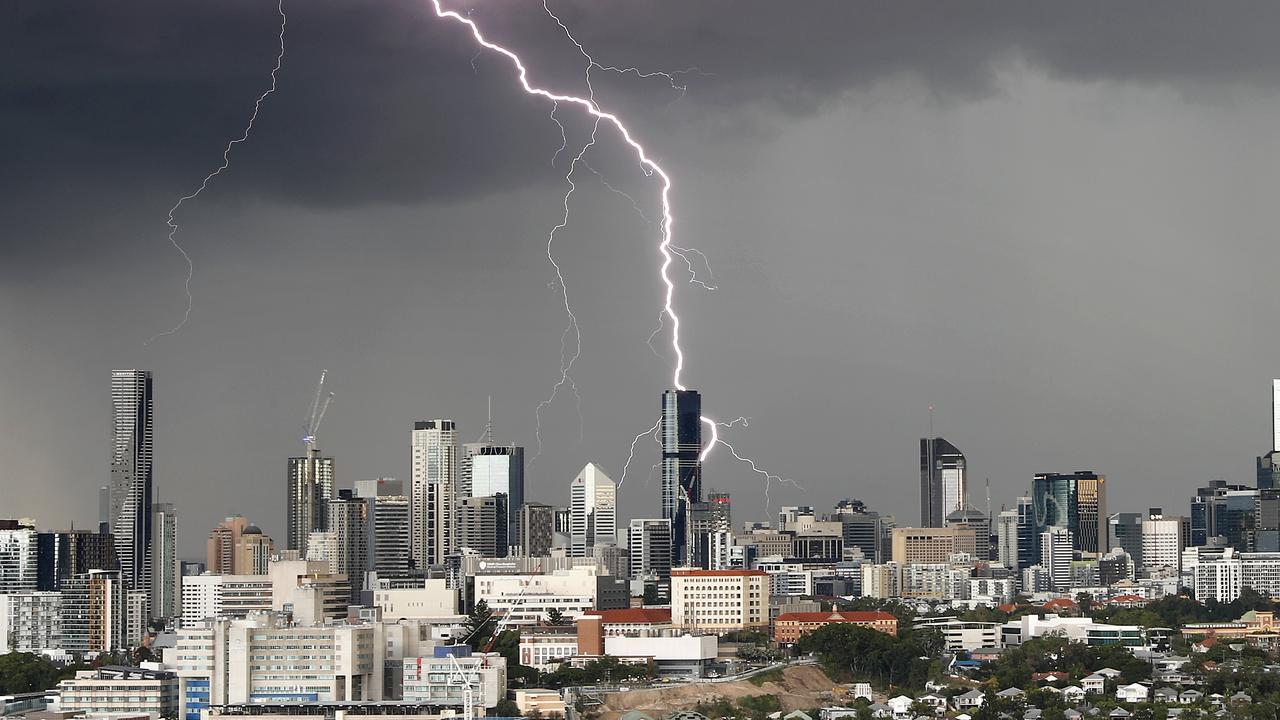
x: 1053, y: 222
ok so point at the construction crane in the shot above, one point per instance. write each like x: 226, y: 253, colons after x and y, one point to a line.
x: 459, y: 676
x: 316, y: 416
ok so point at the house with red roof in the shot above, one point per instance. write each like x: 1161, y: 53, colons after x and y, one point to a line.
x: 789, y: 627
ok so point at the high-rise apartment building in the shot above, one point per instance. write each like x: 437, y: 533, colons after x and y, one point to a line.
x: 593, y: 511
x: 19, y: 557
x: 73, y: 552
x: 253, y: 552
x: 1007, y: 539
x: 1210, y: 516
x: 166, y: 593
x: 433, y: 493
x: 94, y: 613
x: 310, y: 490
x: 681, y: 433
x: 390, y: 530
x: 710, y: 519
x: 943, y: 481
x: 536, y: 529
x: 1077, y: 502
x: 220, y: 548
x: 1055, y: 556
x: 131, y: 473
x: 649, y: 547
x: 349, y: 525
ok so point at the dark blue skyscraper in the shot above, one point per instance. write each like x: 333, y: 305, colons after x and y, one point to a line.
x: 681, y: 428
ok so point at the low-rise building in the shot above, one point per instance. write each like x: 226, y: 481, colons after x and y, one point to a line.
x: 671, y: 656
x: 789, y: 627
x: 118, y: 689
x: 441, y: 678
x: 962, y: 634
x: 534, y: 702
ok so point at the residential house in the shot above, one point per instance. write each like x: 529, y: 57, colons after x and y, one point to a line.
x: 1133, y: 693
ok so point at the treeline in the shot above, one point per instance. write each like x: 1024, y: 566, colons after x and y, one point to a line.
x: 849, y: 653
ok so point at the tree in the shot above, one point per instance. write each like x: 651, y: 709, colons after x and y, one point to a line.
x: 651, y: 594
x: 555, y: 617
x: 480, y: 625
x: 28, y: 672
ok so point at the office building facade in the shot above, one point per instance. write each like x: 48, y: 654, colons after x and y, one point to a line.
x: 943, y: 481
x: 681, y: 431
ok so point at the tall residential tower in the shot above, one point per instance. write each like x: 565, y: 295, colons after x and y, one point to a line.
x: 433, y: 491
x: 131, y: 474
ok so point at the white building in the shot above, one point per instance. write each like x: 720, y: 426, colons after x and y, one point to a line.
x: 1162, y: 541
x: 18, y: 558
x: 719, y: 600
x: 209, y: 596
x: 125, y: 690
x: 433, y: 599
x: 1081, y: 629
x: 527, y: 599
x: 1220, y: 575
x: 544, y: 648
x: 649, y: 547
x: 1055, y: 556
x: 31, y: 622
x: 437, y: 680
x: 261, y: 659
x: 678, y: 655
x: 434, y: 490
x: 593, y: 511
x: 962, y: 634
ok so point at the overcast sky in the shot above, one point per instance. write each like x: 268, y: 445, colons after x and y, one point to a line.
x: 1054, y: 222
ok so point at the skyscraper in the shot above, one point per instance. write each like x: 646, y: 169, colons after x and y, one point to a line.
x: 1007, y: 539
x: 1055, y: 555
x: 165, y: 591
x: 220, y: 549
x: 478, y: 521
x: 74, y: 552
x: 488, y: 470
x: 862, y: 529
x: 390, y: 531
x: 649, y: 547
x: 310, y: 490
x: 1028, y: 539
x: 1077, y: 502
x: 711, y: 519
x: 349, y: 525
x: 1124, y: 531
x: 681, y: 431
x: 943, y: 481
x: 593, y: 511
x: 131, y: 474
x: 537, y: 529
x: 19, y: 557
x: 433, y: 493
x: 1275, y: 415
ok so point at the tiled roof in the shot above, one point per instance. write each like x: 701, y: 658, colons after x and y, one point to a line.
x: 847, y: 616
x: 633, y: 615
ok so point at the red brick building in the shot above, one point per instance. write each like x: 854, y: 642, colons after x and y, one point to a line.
x: 790, y: 626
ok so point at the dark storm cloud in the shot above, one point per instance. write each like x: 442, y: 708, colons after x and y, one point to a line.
x: 379, y: 102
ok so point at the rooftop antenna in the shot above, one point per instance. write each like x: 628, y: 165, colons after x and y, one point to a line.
x: 488, y: 426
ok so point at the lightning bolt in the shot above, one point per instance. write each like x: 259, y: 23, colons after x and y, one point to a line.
x: 649, y: 167
x: 226, y: 162
x: 769, y: 478
x: 651, y: 431
x: 566, y: 359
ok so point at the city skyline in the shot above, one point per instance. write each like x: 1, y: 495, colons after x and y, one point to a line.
x: 829, y: 187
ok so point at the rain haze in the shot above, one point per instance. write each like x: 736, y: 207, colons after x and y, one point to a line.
x: 1054, y: 223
